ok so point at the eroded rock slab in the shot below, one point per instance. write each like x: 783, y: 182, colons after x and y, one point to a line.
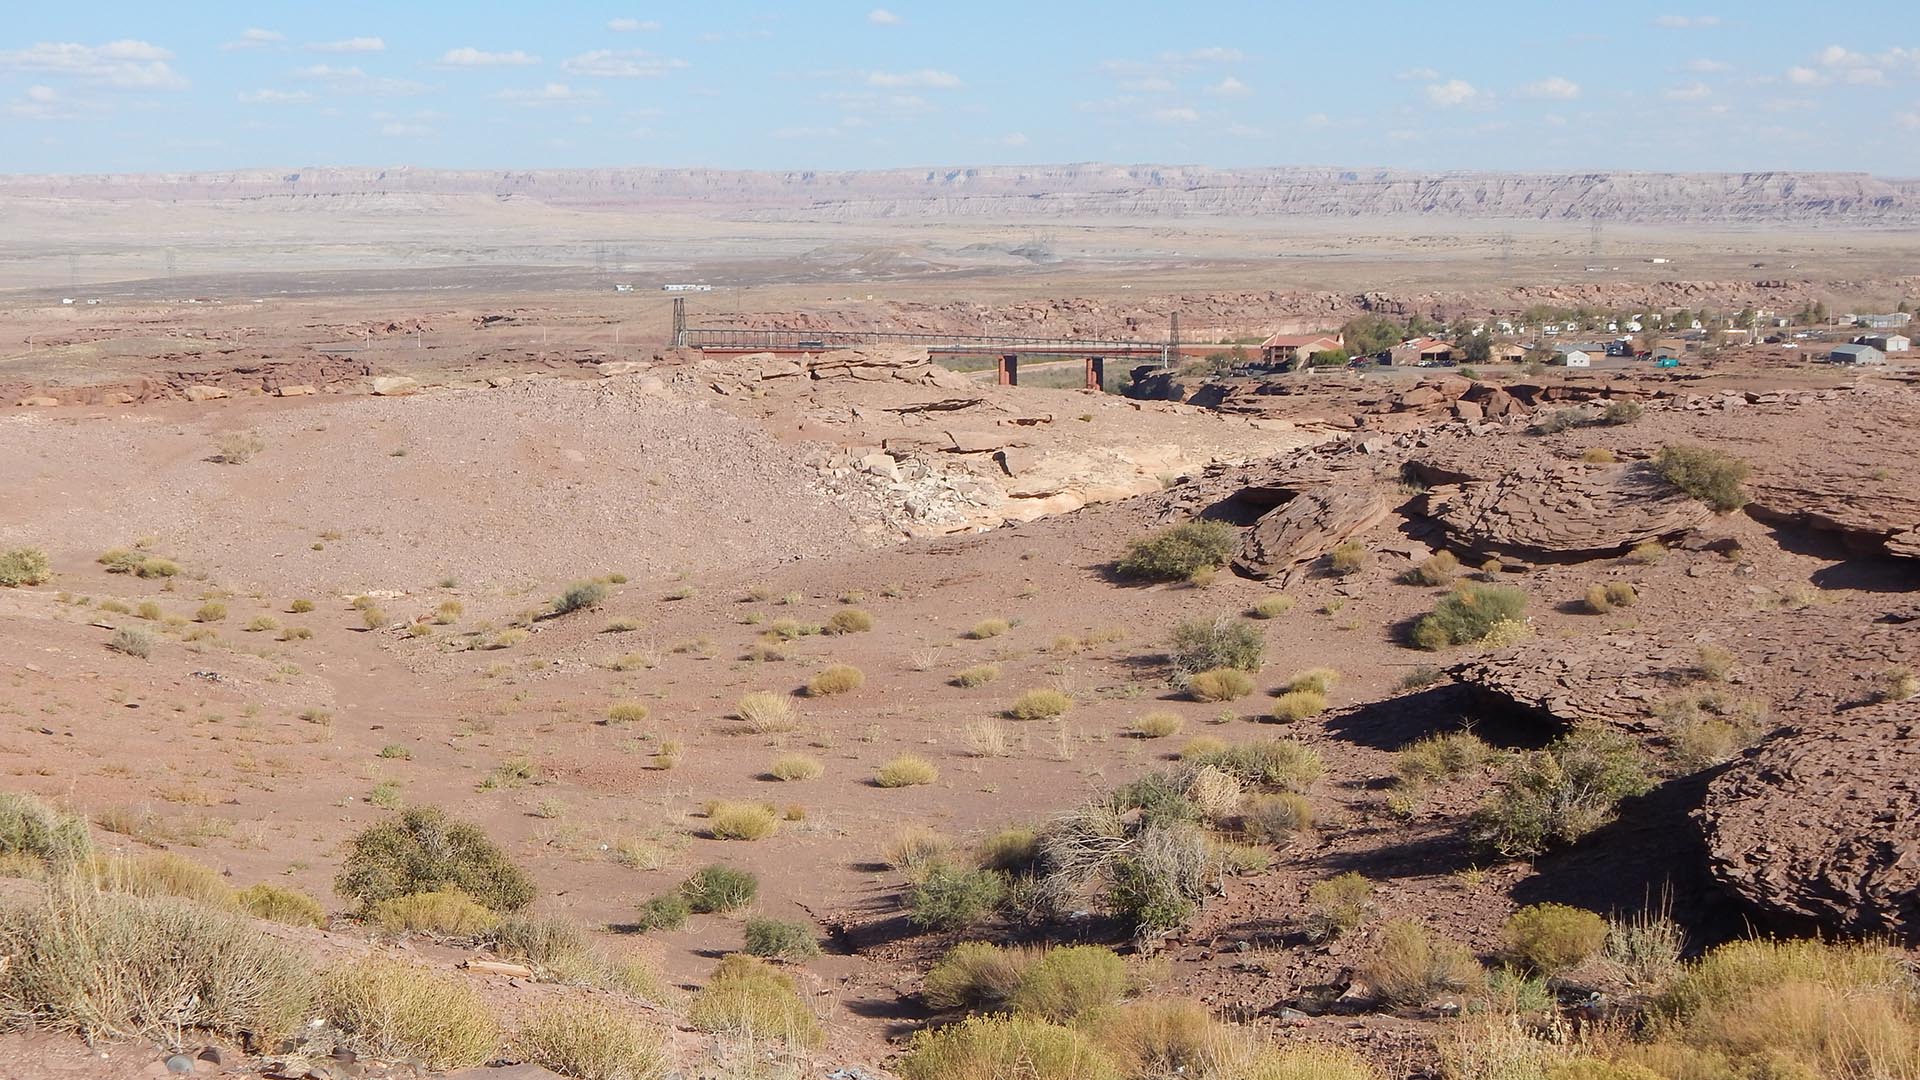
x: 1823, y: 823
x: 1308, y: 526
x: 1552, y: 511
x: 1616, y: 680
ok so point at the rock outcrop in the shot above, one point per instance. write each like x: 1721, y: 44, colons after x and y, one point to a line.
x: 1822, y: 825
x: 1308, y: 526
x: 1550, y: 511
x: 1615, y: 680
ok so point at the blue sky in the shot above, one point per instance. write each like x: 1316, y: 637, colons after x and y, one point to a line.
x: 141, y: 86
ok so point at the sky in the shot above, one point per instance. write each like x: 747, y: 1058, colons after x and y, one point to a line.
x: 139, y: 86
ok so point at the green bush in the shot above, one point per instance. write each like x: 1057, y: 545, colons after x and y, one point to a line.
x: 667, y: 912
x: 1440, y: 757
x: 579, y: 596
x: 1708, y: 475
x: 1175, y: 554
x: 1158, y: 884
x: 1006, y: 1048
x: 1409, y: 965
x: 584, y: 1039
x: 1562, y: 793
x: 1297, y: 705
x: 394, y: 1009
x: 1468, y: 614
x: 29, y: 828
x: 751, y: 999
x: 1278, y: 819
x: 778, y: 939
x: 423, y: 850
x: 1012, y: 850
x: 1219, y: 684
x: 950, y: 897
x: 1337, y: 905
x: 975, y: 975
x: 716, y: 890
x: 1549, y: 938
x: 1220, y: 642
x: 24, y: 566
x: 1066, y: 984
x: 1280, y: 763
x: 281, y: 905
x: 1272, y: 607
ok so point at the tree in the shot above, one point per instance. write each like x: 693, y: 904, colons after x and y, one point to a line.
x: 1366, y: 335
x: 1683, y: 319
x: 1328, y: 358
x: 1747, y: 317
x: 1478, y: 348
x: 1819, y: 311
x: 1462, y: 329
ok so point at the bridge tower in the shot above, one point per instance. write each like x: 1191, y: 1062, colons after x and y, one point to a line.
x: 679, y: 321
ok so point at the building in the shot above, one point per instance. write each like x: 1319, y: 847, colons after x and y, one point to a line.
x: 1283, y: 349
x: 1421, y: 350
x: 1575, y: 357
x: 1891, y: 321
x: 1508, y: 352
x: 1886, y: 343
x: 1855, y: 354
x: 686, y: 288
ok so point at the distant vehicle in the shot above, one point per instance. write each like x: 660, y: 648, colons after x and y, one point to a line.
x: 1360, y: 363
x: 1667, y: 362
x: 811, y: 345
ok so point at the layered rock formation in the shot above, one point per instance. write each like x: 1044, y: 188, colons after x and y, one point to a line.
x: 1562, y: 511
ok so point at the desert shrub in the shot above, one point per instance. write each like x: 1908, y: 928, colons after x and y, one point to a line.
x: 1164, y: 1037
x: 163, y: 874
x: 1440, y: 568
x: 282, y: 905
x: 1647, y: 552
x: 394, y: 1009
x: 950, y: 897
x: 741, y: 820
x: 749, y: 998
x: 301, y: 607
x: 1201, y: 746
x: 423, y: 850
x: 1214, y: 794
x: 131, y: 640
x: 1296, y: 705
x: 1337, y: 905
x: 1440, y: 757
x: 237, y: 448
x: 584, y: 1039
x: 1158, y: 884
x: 1621, y: 412
x: 1709, y: 475
x: 716, y: 890
x: 149, y: 610
x: 1012, y: 850
x: 977, y: 675
x: 1070, y: 983
x: 796, y: 767
x: 1713, y: 663
x: 914, y: 847
x: 627, y: 711
x: 580, y: 596
x: 838, y: 679
x: 1468, y: 615
x: 989, y: 738
x: 30, y: 828
x: 975, y: 975
x: 1348, y: 557
x: 1320, y: 680
x: 541, y: 941
x: 1002, y: 1048
x: 989, y: 628
x: 1549, y: 938
x: 1644, y: 949
x: 1896, y: 684
x: 1705, y: 728
x: 1272, y: 607
x: 1309, y: 1062
x: 1409, y: 965
x: 24, y: 566
x: 1043, y: 703
x: 1277, y: 819
x: 1280, y: 763
x: 1175, y: 554
x: 1602, y: 598
x: 1219, y: 684
x: 1562, y: 793
x: 1220, y: 642
x: 153, y: 566
x: 448, y: 914
x: 907, y: 770
x: 766, y: 713
x: 778, y: 939
x: 1159, y: 725
x: 1558, y: 420
x: 849, y: 621
x: 669, y: 912
x: 116, y: 966
x: 1598, y: 455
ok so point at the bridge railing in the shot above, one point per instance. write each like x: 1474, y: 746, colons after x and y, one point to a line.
x: 736, y: 337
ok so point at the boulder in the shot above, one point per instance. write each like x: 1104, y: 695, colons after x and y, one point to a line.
x: 202, y: 392
x: 1822, y: 825
x: 1308, y: 526
x: 1617, y: 679
x: 1550, y: 511
x: 301, y: 390
x: 393, y: 385
x: 40, y: 402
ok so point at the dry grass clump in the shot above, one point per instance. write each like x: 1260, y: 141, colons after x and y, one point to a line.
x: 236, y: 448
x: 109, y: 966
x: 976, y: 976
x: 1277, y: 819
x: 1040, y: 704
x: 24, y: 566
x: 1166, y: 1037
x: 907, y: 770
x: 1614, y: 594
x: 1219, y: 684
x: 1337, y: 905
x: 1410, y: 965
x: 445, y: 914
x: 282, y: 905
x: 1440, y: 757
x: 988, y: 628
x: 586, y: 1039
x: 1348, y: 557
x: 741, y: 820
x: 32, y: 830
x: 1440, y: 568
x: 849, y: 621
x: 837, y: 679
x: 989, y: 738
x: 1158, y: 725
x: 1216, y: 795
x: 161, y: 874
x: 1598, y: 455
x: 1647, y: 552
x: 1320, y: 1062
x: 1707, y: 727
x: 627, y: 711
x: 1278, y: 763
x: 749, y: 998
x: 796, y: 767
x: 1066, y: 984
x: 1320, y: 680
x: 1201, y: 746
x: 1272, y: 607
x: 717, y: 890
x: 977, y: 675
x: 579, y: 596
x: 394, y: 1009
x: 423, y: 850
x: 1003, y: 1048
x: 766, y: 713
x: 1296, y: 705
x: 132, y: 641
x: 1550, y: 938
x: 1896, y: 684
x: 916, y: 846
x: 1713, y: 663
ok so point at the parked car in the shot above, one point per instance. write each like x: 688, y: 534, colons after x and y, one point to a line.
x: 1667, y: 362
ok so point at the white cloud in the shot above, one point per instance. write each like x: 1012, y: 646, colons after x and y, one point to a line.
x: 1419, y: 74
x: 1908, y: 120
x: 882, y: 17
x: 1687, y: 22
x: 1555, y: 87
x: 1013, y: 139
x: 1705, y: 66
x: 350, y: 45
x: 1316, y: 121
x: 1149, y: 86
x: 621, y: 64
x: 1229, y: 87
x: 1804, y: 76
x: 254, y: 38
x: 926, y: 77
x: 632, y: 26
x: 553, y: 93
x: 1453, y: 92
x: 467, y: 56
x: 1178, y: 114
x: 401, y: 129
x: 1693, y: 91
x: 128, y: 64
x: 276, y: 97
x: 1213, y: 55
x: 352, y: 80
x: 806, y: 133
x: 42, y: 103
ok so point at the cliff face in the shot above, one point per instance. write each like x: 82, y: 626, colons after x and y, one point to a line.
x: 1074, y: 191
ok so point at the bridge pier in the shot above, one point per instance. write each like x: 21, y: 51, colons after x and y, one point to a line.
x: 1009, y: 370
x: 1096, y: 373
